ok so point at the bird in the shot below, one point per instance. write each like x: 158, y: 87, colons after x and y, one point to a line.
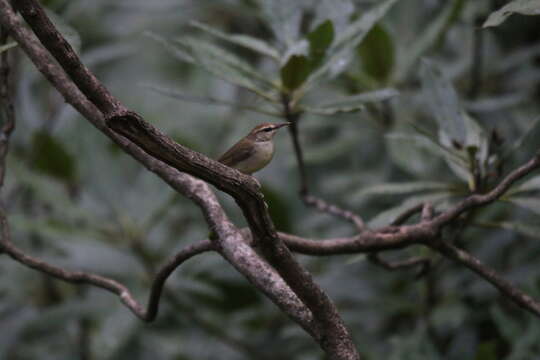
x: 254, y: 151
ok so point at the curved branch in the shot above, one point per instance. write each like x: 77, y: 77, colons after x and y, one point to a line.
x: 308, y: 199
x: 335, y: 338
x: 269, y: 282
x: 113, y: 286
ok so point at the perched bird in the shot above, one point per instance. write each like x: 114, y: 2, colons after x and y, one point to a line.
x: 254, y: 151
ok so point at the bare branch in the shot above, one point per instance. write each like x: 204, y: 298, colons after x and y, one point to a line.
x: 308, y: 199
x: 402, y: 264
x: 335, y: 338
x: 407, y: 214
x: 80, y: 277
x: 8, y: 124
x: 505, y: 287
x: 477, y: 200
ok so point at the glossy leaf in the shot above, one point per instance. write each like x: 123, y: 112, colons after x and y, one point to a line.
x: 523, y: 7
x: 319, y: 41
x: 376, y: 53
x: 295, y: 71
x: 349, y: 39
x: 246, y: 41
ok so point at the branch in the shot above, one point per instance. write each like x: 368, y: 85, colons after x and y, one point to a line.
x: 8, y: 125
x: 477, y: 200
x: 505, y: 287
x: 414, y: 261
x: 269, y: 282
x: 79, y: 277
x: 334, y: 338
x: 308, y: 199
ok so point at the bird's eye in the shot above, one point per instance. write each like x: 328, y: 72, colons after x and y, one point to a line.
x: 268, y: 129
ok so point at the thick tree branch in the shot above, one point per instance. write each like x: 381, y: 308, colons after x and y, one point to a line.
x: 269, y: 282
x: 335, y: 338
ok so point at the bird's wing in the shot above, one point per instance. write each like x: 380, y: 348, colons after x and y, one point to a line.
x: 233, y: 156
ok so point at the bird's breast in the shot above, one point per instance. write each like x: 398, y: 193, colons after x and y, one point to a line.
x: 260, y: 158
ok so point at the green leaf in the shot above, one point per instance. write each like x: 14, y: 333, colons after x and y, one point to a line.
x: 284, y: 18
x: 529, y: 134
x: 443, y: 101
x: 352, y: 103
x: 486, y: 351
x: 358, y: 29
x: 246, y: 41
x: 174, y: 49
x: 530, y: 230
x: 295, y: 72
x: 386, y: 217
x: 50, y: 157
x: 533, y: 184
x: 509, y: 328
x: 376, y: 53
x: 531, y: 204
x: 319, y: 41
x: 402, y: 188
x: 278, y: 207
x: 208, y: 100
x: 7, y: 46
x: 427, y: 39
x: 349, y: 39
x: 225, y: 65
x: 523, y: 7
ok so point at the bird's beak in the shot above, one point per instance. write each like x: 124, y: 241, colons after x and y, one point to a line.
x: 282, y: 125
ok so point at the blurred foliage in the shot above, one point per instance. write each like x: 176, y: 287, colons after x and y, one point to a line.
x: 401, y: 102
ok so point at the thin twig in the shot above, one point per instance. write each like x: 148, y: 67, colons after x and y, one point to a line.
x: 8, y: 124
x: 407, y: 214
x: 505, y: 287
x: 80, y: 277
x: 401, y: 264
x: 307, y: 198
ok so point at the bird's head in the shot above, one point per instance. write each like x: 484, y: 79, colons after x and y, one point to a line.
x: 266, y: 131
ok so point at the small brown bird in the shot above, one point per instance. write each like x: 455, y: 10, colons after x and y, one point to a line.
x: 254, y: 151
